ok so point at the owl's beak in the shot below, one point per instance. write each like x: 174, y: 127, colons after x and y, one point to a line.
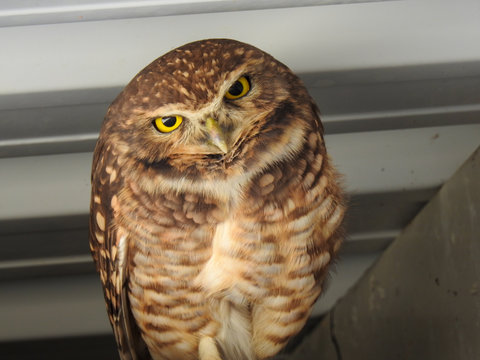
x: 216, y: 135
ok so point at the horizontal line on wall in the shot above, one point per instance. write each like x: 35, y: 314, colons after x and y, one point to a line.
x: 50, y: 261
x: 50, y: 12
x: 440, y: 110
x: 49, y: 140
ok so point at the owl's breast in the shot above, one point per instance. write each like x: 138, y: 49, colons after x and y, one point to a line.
x: 229, y: 269
x: 260, y: 240
x: 282, y: 232
x: 170, y: 238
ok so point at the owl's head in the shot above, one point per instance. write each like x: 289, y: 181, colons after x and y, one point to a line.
x: 211, y: 108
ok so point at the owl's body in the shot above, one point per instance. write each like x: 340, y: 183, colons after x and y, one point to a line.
x: 207, y: 248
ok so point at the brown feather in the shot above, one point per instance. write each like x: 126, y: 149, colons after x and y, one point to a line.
x: 204, y: 254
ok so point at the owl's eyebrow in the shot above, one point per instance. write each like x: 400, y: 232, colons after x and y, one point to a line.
x: 245, y: 74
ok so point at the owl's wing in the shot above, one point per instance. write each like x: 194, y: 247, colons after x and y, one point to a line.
x: 109, y: 250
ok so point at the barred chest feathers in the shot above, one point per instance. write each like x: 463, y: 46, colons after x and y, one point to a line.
x: 243, y: 267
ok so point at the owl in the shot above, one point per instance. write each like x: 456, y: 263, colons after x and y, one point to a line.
x: 215, y: 209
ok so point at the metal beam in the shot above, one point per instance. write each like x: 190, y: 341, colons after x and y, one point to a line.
x: 15, y: 13
x: 350, y: 101
x: 99, y: 54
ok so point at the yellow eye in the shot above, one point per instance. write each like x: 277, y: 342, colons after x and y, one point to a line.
x: 166, y: 124
x: 239, y: 89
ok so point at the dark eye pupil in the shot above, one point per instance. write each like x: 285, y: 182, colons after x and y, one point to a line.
x: 169, y: 121
x: 236, y: 89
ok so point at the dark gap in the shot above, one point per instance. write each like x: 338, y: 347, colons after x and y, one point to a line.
x: 73, y: 348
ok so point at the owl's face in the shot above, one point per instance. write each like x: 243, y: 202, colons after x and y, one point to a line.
x: 200, y: 109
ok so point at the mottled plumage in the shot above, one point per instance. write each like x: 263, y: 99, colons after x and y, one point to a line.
x: 212, y: 240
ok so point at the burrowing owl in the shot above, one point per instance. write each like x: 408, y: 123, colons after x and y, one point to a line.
x: 215, y: 209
